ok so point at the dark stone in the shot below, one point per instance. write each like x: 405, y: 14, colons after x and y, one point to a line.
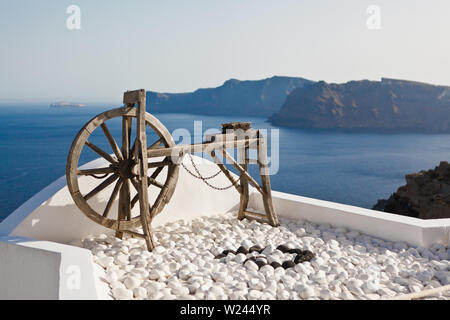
x: 226, y: 252
x: 288, y: 264
x: 275, y: 265
x: 242, y: 249
x: 309, y: 257
x: 296, y: 251
x: 220, y: 256
x: 255, y: 248
x: 300, y: 258
x: 260, y: 263
x: 306, y: 255
x: 283, y: 248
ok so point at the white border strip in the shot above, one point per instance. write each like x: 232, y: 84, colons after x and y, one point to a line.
x: 383, y: 225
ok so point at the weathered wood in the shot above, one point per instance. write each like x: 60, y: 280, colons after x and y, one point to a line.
x: 111, y: 141
x: 225, y: 171
x: 159, y: 164
x: 112, y: 198
x: 132, y: 97
x: 265, y: 180
x: 124, y: 194
x: 256, y: 214
x: 134, y: 200
x: 244, y: 198
x: 157, y: 171
x: 238, y: 135
x: 259, y: 218
x: 180, y: 150
x: 124, y: 205
x: 126, y: 136
x: 134, y: 234
x: 102, y: 186
x: 88, y: 172
x: 242, y: 171
x: 141, y: 154
x: 151, y: 181
x: 235, y: 126
x: 101, y: 152
x: 155, y: 144
x: 72, y: 172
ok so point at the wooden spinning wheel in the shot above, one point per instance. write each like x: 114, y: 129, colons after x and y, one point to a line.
x: 127, y: 168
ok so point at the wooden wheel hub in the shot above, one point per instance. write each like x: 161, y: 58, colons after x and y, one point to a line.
x: 127, y: 168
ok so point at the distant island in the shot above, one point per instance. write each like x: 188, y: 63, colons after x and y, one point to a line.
x: 65, y: 104
x: 235, y: 97
x: 386, y: 105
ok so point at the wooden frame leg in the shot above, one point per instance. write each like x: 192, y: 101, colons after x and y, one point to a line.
x: 124, y: 205
x: 243, y: 203
x: 141, y: 149
x: 265, y: 180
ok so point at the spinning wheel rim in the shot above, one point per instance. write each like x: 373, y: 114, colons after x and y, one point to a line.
x: 72, y: 169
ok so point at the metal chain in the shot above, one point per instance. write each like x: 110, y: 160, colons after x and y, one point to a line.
x: 99, y: 177
x: 204, y: 179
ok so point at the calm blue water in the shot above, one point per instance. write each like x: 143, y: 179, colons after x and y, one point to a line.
x: 349, y: 168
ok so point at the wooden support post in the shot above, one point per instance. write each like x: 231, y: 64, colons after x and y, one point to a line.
x: 224, y: 170
x: 124, y: 195
x: 265, y: 180
x: 138, y: 97
x: 243, y: 160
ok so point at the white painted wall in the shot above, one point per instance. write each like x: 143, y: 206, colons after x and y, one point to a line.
x: 383, y: 225
x: 45, y: 270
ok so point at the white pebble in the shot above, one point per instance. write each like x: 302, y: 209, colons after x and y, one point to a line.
x: 132, y: 282
x: 105, y: 261
x: 325, y: 294
x: 254, y: 294
x: 140, y: 292
x: 159, y: 250
x: 122, y: 294
x: 251, y: 265
x: 307, y: 293
x: 111, y: 276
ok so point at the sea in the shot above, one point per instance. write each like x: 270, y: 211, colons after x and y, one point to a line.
x: 344, y: 167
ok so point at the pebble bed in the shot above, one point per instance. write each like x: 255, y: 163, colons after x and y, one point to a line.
x: 346, y: 264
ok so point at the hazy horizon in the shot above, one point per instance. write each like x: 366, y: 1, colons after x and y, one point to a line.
x: 182, y: 46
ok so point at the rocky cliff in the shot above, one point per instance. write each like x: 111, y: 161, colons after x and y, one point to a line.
x: 426, y: 195
x: 388, y: 105
x: 234, y: 97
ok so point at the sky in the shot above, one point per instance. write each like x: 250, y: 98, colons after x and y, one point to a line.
x: 179, y: 46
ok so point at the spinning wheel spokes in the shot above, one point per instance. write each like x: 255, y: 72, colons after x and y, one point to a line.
x: 122, y: 169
